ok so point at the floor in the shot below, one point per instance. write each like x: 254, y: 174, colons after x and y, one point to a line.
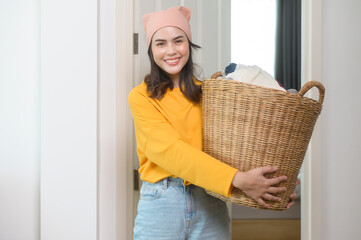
x: 266, y: 229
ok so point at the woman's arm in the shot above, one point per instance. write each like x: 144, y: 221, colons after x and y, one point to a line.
x: 163, y: 146
x: 160, y: 143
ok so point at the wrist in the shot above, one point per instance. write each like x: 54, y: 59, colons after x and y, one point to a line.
x: 238, y: 180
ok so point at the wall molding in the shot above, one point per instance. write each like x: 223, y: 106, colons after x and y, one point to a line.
x: 311, y: 186
x: 124, y: 122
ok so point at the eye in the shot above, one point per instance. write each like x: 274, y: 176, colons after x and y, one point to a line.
x: 160, y: 44
x: 179, y: 41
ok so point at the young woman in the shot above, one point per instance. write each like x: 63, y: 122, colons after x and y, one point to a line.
x: 167, y: 118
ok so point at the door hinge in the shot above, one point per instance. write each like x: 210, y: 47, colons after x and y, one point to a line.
x: 135, y: 43
x: 135, y: 180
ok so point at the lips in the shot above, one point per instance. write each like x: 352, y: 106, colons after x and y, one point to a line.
x: 172, y: 61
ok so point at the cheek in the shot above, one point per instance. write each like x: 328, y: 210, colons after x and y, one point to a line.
x: 158, y: 57
x: 157, y: 52
x: 185, y: 51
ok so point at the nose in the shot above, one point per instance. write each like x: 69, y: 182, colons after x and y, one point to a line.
x: 171, y: 50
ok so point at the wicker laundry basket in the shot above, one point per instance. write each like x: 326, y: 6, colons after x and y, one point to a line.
x: 248, y: 126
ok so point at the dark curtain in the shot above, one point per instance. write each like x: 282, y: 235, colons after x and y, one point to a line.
x: 288, y: 43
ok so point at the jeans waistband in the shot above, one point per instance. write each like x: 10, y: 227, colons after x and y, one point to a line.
x: 170, y: 181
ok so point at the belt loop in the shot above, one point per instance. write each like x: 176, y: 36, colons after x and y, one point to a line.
x: 165, y: 183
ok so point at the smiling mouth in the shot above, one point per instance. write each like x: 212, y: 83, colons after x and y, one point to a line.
x: 172, y: 61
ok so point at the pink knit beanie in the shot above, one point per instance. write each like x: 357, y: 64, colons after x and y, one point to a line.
x: 176, y: 17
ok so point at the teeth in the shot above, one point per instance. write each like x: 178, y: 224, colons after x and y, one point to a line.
x: 172, y: 61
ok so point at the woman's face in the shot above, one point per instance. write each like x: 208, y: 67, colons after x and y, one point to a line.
x: 170, y: 48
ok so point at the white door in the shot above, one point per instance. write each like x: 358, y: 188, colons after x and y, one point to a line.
x: 215, y: 41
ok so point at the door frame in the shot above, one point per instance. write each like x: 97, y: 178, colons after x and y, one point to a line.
x: 124, y: 123
x: 311, y: 187
x: 311, y: 62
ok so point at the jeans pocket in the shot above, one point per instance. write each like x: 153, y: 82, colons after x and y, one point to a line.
x: 150, y: 191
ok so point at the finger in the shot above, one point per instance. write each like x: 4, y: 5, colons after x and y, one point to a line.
x: 271, y: 197
x: 293, y: 196
x: 268, y: 169
x: 276, y: 189
x: 262, y: 203
x: 298, y: 181
x: 290, y: 204
x: 276, y: 180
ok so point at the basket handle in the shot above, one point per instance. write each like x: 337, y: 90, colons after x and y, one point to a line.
x: 216, y: 74
x: 307, y: 86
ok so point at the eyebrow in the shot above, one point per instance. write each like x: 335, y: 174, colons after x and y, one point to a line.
x: 163, y: 40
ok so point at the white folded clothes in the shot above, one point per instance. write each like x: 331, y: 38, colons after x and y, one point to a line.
x: 254, y: 75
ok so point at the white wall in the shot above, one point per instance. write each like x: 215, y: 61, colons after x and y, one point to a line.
x: 19, y: 120
x: 341, y: 118
x: 63, y: 130
x: 69, y: 119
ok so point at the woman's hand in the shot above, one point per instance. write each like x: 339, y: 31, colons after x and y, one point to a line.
x: 254, y: 184
x: 293, y: 196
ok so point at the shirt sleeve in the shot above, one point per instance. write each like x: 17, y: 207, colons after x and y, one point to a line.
x: 163, y: 146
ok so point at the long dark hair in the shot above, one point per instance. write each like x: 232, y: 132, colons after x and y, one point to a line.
x: 158, y: 81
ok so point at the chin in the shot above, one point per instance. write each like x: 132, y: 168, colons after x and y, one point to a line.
x: 172, y: 71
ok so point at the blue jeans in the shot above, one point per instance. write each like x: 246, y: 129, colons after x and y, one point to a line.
x: 168, y: 210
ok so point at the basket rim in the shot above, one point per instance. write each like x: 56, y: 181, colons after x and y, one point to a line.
x: 249, y: 85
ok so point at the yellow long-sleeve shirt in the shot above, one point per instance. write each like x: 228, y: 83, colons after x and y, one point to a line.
x: 169, y: 141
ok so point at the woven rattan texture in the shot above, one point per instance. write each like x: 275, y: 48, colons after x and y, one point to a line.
x: 247, y: 126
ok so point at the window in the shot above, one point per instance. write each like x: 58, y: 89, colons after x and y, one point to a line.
x: 253, y: 33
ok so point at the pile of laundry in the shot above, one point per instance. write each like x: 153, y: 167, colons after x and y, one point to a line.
x: 252, y: 75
